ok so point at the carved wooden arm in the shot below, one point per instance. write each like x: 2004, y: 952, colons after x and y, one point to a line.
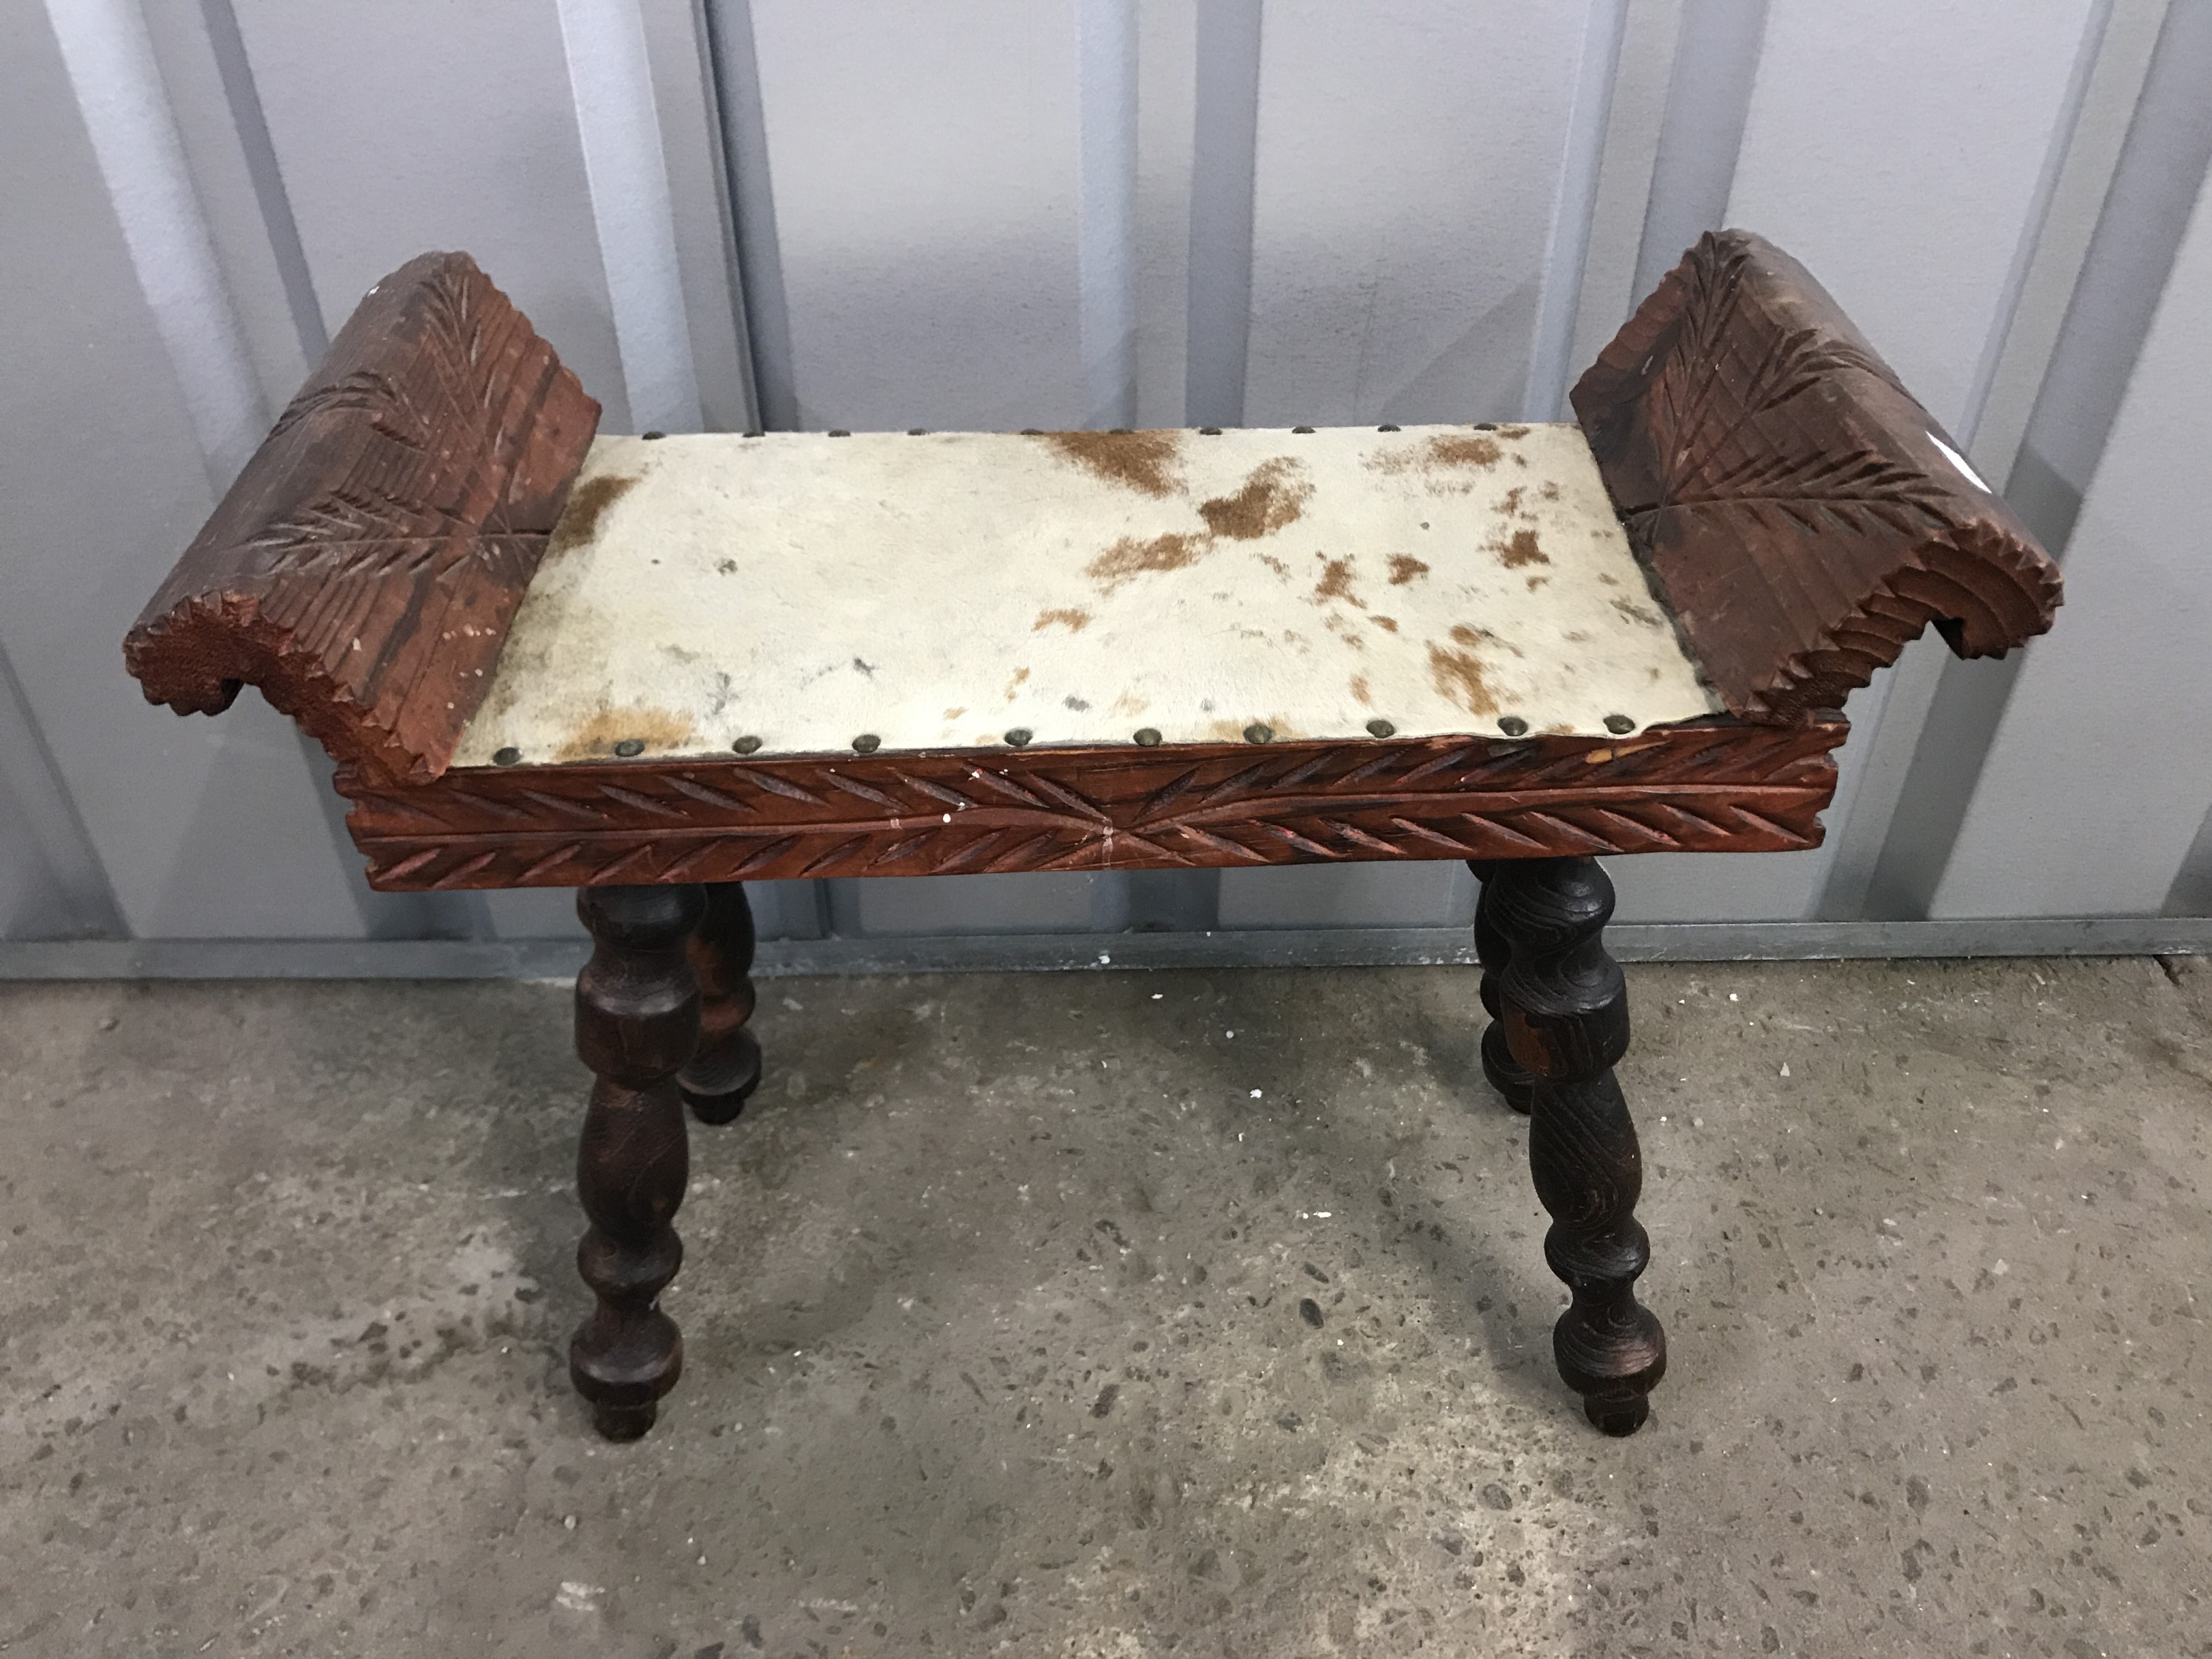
x: 1802, y: 515
x: 363, y: 569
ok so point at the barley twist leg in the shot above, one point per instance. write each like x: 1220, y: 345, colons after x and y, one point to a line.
x: 1505, y: 1073
x: 727, y: 1067
x: 1566, y: 1020
x: 637, y: 1023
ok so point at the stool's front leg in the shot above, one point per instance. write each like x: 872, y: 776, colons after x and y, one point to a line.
x: 727, y: 1067
x: 1505, y: 1073
x: 637, y: 1023
x: 1565, y: 1013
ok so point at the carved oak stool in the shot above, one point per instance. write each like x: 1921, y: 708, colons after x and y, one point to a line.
x: 654, y: 668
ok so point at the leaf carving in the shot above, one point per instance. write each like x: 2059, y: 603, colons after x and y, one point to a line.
x: 1786, y: 490
x: 1705, y: 787
x: 416, y: 478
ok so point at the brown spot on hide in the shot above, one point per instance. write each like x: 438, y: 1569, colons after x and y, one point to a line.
x: 1551, y: 492
x: 658, y: 729
x: 1335, y: 582
x: 1521, y: 548
x: 1447, y: 449
x: 1360, y: 689
x: 955, y: 714
x: 587, y: 504
x: 1074, y: 620
x: 1274, y: 564
x: 1458, y: 677
x: 1279, y: 726
x: 1131, y: 556
x: 1015, y: 684
x: 1388, y: 625
x: 1446, y: 461
x: 1143, y: 461
x: 1512, y: 502
x: 1273, y: 497
x: 1535, y: 582
x: 1637, y: 613
x: 1404, y: 567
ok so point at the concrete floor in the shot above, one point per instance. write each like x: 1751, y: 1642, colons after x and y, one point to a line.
x: 993, y: 1310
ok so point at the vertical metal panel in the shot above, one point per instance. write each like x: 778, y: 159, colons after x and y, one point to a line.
x: 619, y: 128
x: 30, y: 901
x: 1226, y: 93
x: 1847, y: 105
x: 450, y: 127
x: 1164, y: 228
x: 1627, y: 168
x: 2108, y: 242
x: 1106, y: 234
x: 203, y: 829
x: 767, y: 312
x: 2112, y: 91
x: 679, y: 50
x: 1716, y: 65
x: 2098, y: 778
x: 926, y: 172
x: 127, y: 114
x: 2191, y: 892
x: 1853, y: 107
x: 2123, y: 274
x: 1406, y: 180
x: 51, y: 885
x: 239, y: 190
x: 1567, y: 247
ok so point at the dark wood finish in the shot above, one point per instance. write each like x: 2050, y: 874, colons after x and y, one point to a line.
x: 1713, y: 787
x: 637, y: 1023
x: 1513, y: 1084
x: 1788, y: 495
x: 363, y: 569
x: 1796, y: 510
x: 727, y: 1067
x: 1565, y: 1014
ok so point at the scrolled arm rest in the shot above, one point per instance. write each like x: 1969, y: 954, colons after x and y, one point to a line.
x: 363, y: 569
x: 1800, y: 513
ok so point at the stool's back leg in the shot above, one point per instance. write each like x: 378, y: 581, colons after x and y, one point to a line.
x: 1566, y: 1018
x: 727, y: 1067
x: 1505, y: 1073
x: 637, y: 1023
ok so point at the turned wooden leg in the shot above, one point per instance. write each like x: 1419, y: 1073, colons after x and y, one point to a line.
x: 1505, y: 1073
x: 637, y: 1023
x: 727, y: 1067
x: 1565, y: 1013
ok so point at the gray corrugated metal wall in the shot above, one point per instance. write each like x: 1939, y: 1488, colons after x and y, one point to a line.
x: 1006, y: 213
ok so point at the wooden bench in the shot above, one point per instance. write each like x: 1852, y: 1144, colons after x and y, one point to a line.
x: 654, y: 668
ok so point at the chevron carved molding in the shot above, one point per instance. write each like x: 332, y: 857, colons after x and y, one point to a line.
x: 1720, y: 786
